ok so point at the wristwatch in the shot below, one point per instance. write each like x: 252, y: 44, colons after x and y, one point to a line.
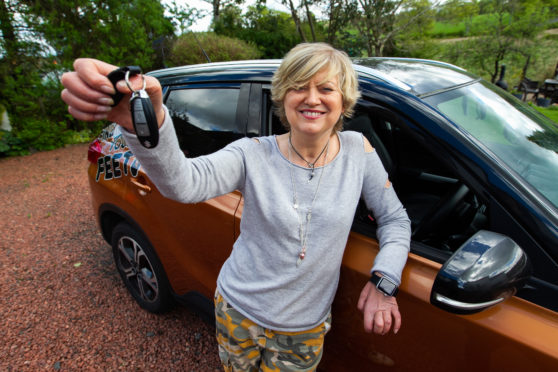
x: 384, y: 284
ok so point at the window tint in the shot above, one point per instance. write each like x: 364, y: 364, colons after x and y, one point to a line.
x: 444, y: 212
x: 525, y: 141
x: 273, y: 124
x: 204, y: 119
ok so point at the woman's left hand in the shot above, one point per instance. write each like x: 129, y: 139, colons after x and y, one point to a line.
x: 380, y: 311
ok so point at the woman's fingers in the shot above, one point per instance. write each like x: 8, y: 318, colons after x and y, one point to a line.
x: 381, y: 312
x: 94, y: 73
x: 378, y: 323
x: 86, y: 116
x: 77, y: 87
x: 103, y: 105
x: 88, y: 93
x: 396, y: 320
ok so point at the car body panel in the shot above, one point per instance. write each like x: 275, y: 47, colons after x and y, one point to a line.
x: 430, y: 336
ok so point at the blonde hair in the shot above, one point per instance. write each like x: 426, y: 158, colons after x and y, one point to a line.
x: 302, y: 63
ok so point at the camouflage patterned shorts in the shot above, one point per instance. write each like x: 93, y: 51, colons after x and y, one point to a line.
x: 246, y: 346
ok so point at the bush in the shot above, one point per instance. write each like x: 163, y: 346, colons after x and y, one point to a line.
x: 42, y: 134
x: 186, y: 50
x: 10, y: 145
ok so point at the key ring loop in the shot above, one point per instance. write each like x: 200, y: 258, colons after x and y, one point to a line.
x: 127, y: 76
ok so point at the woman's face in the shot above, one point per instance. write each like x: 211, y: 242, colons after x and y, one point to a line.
x: 316, y: 107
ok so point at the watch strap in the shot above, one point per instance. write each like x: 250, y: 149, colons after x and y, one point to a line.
x: 384, y: 285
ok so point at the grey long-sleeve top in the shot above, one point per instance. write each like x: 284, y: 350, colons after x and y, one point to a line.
x: 260, y: 278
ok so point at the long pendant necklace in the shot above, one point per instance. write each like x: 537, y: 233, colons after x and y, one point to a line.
x: 310, y: 165
x: 304, y: 223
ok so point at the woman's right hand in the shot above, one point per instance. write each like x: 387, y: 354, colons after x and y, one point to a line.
x: 88, y: 93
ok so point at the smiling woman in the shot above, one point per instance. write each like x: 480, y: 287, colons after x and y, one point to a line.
x: 320, y: 64
x: 316, y: 106
x: 290, y: 237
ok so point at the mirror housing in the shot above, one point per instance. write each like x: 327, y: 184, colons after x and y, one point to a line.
x: 484, y: 271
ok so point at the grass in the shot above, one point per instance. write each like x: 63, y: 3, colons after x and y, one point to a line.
x: 549, y: 112
x: 443, y: 30
x: 459, y: 29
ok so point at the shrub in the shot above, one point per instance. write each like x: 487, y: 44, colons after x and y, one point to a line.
x: 186, y: 50
x: 10, y: 145
x: 41, y: 134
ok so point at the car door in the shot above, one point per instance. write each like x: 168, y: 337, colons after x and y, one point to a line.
x: 520, y: 333
x: 206, y: 118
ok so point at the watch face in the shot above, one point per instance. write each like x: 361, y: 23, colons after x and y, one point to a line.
x: 386, y: 286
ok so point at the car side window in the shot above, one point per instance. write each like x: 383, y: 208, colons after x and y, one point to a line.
x: 444, y: 212
x: 204, y: 118
x: 272, y: 123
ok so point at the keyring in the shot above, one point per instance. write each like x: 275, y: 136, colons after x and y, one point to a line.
x: 126, y: 77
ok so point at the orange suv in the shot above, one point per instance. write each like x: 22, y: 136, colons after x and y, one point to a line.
x: 476, y: 169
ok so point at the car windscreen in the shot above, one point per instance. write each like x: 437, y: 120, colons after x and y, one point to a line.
x: 521, y: 137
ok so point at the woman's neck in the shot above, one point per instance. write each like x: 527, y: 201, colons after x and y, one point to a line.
x: 308, y: 149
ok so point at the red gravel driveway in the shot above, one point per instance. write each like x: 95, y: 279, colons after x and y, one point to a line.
x: 62, y: 303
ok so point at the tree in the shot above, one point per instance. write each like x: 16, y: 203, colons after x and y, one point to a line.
x: 414, y: 23
x: 218, y: 5
x: 378, y: 22
x: 274, y: 32
x: 339, y: 14
x: 510, y: 31
x: 116, y: 31
x: 296, y: 18
x: 183, y: 16
x: 25, y: 89
x: 456, y: 11
x: 41, y: 38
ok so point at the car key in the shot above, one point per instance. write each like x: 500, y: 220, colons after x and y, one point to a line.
x: 143, y: 114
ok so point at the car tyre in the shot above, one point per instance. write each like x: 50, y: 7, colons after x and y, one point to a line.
x: 140, y: 269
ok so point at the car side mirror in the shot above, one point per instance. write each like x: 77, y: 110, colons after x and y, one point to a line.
x: 484, y: 271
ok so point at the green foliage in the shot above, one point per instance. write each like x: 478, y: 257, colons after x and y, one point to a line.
x: 10, y: 145
x: 382, y: 23
x: 274, y: 32
x: 118, y: 32
x: 186, y: 50
x: 183, y: 16
x: 415, y: 21
x: 40, y: 134
x: 41, y: 39
x: 507, y: 34
x: 541, y: 66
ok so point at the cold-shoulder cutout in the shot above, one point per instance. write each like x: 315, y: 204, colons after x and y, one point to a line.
x: 367, y: 146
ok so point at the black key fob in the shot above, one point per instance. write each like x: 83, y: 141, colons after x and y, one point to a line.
x: 143, y: 114
x: 120, y: 74
x: 144, y: 119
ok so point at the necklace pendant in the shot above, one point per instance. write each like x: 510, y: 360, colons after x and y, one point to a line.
x: 301, y: 256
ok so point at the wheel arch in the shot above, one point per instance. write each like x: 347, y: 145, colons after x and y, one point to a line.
x: 110, y: 216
